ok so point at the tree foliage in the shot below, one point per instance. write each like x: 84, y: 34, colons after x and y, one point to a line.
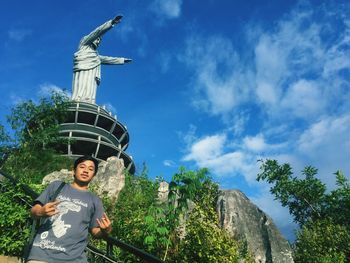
x: 192, y: 202
x: 323, y: 215
x: 135, y: 216
x: 30, y: 153
x: 142, y: 220
x: 205, y: 241
x: 303, y: 197
x: 36, y: 125
x: 14, y: 230
x: 323, y: 241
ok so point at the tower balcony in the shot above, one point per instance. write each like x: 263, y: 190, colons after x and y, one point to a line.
x: 92, y: 130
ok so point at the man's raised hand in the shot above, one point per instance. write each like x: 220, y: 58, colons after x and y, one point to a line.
x: 49, y: 209
x: 46, y: 210
x: 105, y: 224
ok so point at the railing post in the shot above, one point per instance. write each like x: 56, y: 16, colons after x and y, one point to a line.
x: 92, y: 257
x: 109, y: 248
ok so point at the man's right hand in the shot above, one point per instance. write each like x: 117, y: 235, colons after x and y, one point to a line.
x: 47, y: 210
x: 117, y: 19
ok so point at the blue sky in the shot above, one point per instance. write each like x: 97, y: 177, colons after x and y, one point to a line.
x: 215, y: 84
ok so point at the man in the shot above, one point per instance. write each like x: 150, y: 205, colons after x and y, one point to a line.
x: 87, y: 63
x: 67, y: 220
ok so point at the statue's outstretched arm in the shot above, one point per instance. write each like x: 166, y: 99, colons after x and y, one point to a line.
x: 114, y: 60
x: 99, y: 31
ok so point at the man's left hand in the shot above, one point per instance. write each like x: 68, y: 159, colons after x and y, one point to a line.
x: 105, y: 224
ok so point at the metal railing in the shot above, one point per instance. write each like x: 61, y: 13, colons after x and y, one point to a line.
x: 95, y: 254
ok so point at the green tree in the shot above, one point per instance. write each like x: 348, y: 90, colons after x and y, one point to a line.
x: 322, y: 241
x: 135, y: 216
x: 193, y: 198
x: 31, y: 152
x: 322, y: 215
x: 304, y: 197
x: 37, y: 124
x: 14, y: 215
x: 143, y: 221
x: 4, y: 144
x: 205, y: 241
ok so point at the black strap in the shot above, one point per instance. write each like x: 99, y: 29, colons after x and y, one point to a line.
x: 58, y: 190
x: 35, y: 225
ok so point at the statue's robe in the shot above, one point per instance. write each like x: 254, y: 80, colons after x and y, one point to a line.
x: 87, y: 66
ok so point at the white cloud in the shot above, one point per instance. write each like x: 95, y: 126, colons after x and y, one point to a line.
x: 256, y: 143
x: 169, y: 163
x: 169, y: 9
x: 19, y: 34
x: 298, y: 68
x: 46, y: 89
x: 329, y: 131
x: 206, y: 149
x: 284, y: 56
x: 270, y: 66
x: 125, y: 29
x: 304, y: 99
x: 219, y: 81
x: 130, y: 31
x: 188, y: 137
x: 15, y: 99
x: 237, y: 122
x: 214, y: 152
x: 326, y: 145
x: 164, y: 60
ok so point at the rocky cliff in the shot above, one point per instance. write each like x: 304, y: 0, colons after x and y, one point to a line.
x: 246, y: 222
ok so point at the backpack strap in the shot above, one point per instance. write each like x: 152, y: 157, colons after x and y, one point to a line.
x: 58, y: 190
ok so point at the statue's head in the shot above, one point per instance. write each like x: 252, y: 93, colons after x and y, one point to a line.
x: 96, y: 42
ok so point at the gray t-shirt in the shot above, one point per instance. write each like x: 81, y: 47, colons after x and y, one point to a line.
x: 63, y: 237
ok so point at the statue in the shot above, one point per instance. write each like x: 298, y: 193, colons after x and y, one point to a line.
x: 87, y: 63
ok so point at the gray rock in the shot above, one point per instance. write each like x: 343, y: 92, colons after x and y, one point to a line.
x: 163, y: 192
x: 109, y: 180
x: 246, y: 222
x: 62, y: 175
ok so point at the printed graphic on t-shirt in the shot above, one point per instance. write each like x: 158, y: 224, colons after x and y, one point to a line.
x: 59, y: 226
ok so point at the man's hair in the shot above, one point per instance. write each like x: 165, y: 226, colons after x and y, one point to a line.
x: 86, y: 158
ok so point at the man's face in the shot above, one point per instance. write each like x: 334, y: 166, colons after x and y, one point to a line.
x: 85, y: 171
